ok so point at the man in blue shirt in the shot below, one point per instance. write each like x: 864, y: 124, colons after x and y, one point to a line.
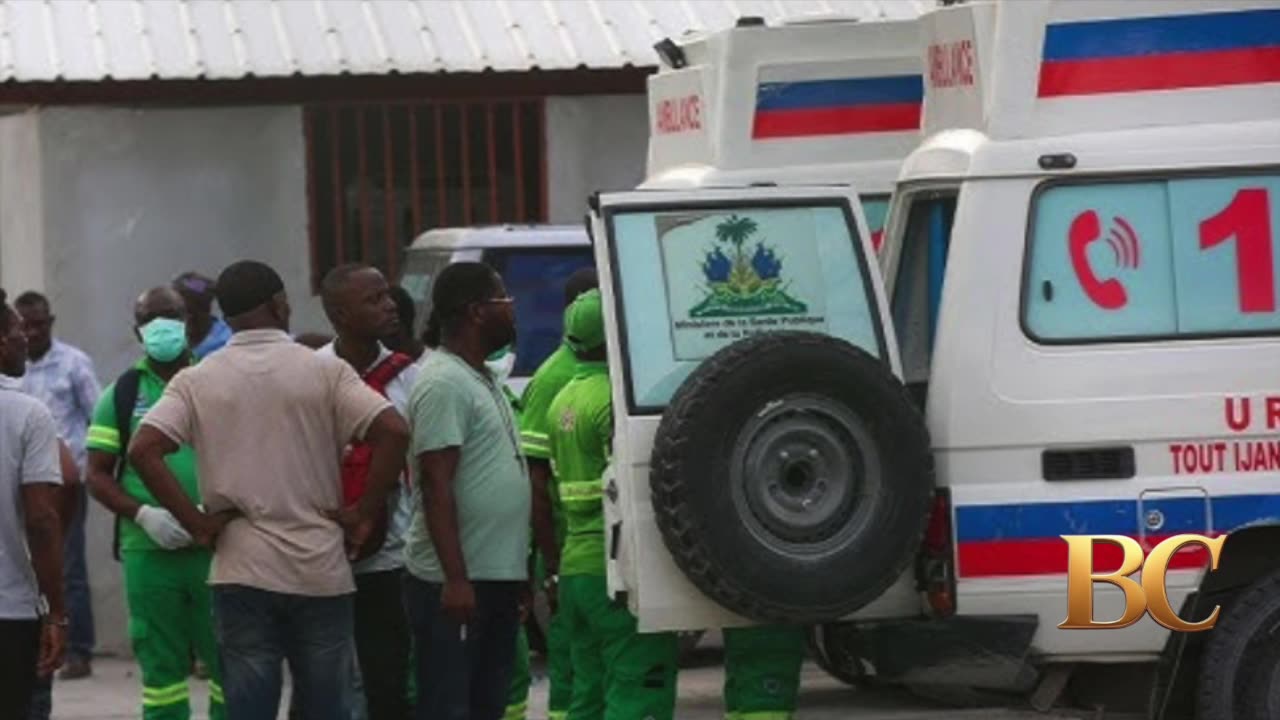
x: 206, y: 332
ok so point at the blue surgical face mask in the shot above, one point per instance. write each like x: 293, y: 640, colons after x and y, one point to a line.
x: 164, y: 339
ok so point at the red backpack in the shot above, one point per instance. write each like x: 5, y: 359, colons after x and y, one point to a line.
x: 358, y: 455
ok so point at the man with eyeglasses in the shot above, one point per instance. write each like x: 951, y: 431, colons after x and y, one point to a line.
x: 468, y: 545
x: 165, y: 573
x: 206, y: 332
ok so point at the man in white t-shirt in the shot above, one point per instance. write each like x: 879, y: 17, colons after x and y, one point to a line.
x: 33, y: 619
x: 358, y: 302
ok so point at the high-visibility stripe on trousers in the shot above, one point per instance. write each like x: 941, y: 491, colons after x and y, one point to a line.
x: 159, y: 697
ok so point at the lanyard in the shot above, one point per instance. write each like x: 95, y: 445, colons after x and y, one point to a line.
x: 503, y: 407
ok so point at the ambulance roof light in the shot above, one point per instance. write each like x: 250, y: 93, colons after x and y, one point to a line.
x: 670, y: 53
x: 751, y: 21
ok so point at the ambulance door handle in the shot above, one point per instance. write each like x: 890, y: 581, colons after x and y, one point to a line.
x: 1095, y: 463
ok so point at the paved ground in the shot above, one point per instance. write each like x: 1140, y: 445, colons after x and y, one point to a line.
x: 112, y: 694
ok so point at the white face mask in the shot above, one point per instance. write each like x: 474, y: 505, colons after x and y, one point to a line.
x: 501, y: 364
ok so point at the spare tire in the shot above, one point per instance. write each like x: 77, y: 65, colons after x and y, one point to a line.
x: 791, y: 478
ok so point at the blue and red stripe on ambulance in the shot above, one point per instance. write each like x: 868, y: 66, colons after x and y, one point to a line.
x: 841, y: 106
x: 1161, y: 53
x: 1024, y: 539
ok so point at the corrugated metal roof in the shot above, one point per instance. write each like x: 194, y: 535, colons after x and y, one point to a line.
x: 87, y: 40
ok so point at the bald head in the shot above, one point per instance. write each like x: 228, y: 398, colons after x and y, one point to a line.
x: 161, y: 301
x: 358, y: 302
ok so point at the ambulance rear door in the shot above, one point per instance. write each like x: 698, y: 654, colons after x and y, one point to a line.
x: 660, y: 255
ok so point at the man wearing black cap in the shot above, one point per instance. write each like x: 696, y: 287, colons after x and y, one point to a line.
x: 267, y: 417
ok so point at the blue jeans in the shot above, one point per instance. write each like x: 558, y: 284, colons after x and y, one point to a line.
x: 80, y: 636
x: 258, y: 629
x: 463, y: 679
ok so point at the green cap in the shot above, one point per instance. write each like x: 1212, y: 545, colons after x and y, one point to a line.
x: 584, y: 322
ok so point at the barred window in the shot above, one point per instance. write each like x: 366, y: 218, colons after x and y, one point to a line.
x: 380, y: 174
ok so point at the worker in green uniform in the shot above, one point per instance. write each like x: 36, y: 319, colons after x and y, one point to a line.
x: 762, y: 671
x: 551, y: 376
x: 165, y: 574
x: 618, y: 672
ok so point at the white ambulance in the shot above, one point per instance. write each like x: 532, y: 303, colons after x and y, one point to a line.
x: 767, y: 145
x: 1079, y: 295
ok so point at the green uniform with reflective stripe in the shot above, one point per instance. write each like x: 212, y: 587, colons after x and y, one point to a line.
x: 105, y: 437
x: 618, y: 673
x: 581, y: 419
x: 547, y: 382
x: 170, y: 616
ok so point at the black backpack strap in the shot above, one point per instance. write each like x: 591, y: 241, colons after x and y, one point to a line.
x: 125, y: 396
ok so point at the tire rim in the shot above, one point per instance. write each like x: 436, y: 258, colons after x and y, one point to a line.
x: 804, y: 474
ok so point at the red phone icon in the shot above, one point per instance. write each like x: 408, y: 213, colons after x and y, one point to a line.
x: 1106, y: 294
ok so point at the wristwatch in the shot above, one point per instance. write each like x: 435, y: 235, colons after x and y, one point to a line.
x: 548, y: 581
x: 47, y: 616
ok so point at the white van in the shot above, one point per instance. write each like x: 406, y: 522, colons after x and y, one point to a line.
x: 1079, y: 295
x: 534, y: 261
x: 767, y: 145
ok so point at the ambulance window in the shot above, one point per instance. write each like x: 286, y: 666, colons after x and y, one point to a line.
x: 535, y: 277
x: 1178, y: 257
x: 695, y: 279
x: 918, y: 287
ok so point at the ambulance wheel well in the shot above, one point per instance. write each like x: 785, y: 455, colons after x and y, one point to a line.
x: 1246, y: 556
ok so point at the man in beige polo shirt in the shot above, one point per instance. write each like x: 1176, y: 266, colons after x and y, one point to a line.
x: 268, y: 420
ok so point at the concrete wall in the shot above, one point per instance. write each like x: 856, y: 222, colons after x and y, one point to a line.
x: 21, y: 218
x: 593, y: 143
x: 134, y: 197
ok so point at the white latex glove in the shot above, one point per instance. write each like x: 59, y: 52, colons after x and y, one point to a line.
x: 162, y: 527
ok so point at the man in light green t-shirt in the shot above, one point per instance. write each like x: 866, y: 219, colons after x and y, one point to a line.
x: 468, y: 546
x: 165, y: 574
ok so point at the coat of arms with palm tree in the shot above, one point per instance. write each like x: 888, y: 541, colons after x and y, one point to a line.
x: 743, y: 282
